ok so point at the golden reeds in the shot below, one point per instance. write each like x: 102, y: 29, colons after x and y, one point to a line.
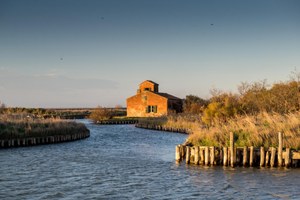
x: 22, y: 126
x: 259, y: 130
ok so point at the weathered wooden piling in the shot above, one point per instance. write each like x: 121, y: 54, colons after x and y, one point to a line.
x: 287, y: 159
x: 231, y: 145
x: 225, y: 156
x: 273, y: 154
x: 220, y: 161
x: 187, y: 155
x: 192, y: 158
x: 262, y: 156
x: 196, y: 158
x: 177, y: 156
x: 245, y: 156
x: 267, y: 158
x: 206, y: 157
x: 251, y: 156
x: 236, y: 156
x: 280, y: 145
x: 212, y: 155
x: 201, y: 151
x: 182, y: 151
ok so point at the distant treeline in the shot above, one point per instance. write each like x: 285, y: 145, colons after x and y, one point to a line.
x: 47, y: 113
x: 63, y: 113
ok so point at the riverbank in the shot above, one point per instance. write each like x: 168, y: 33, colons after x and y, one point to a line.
x: 19, y: 130
x: 118, y: 120
x: 257, y: 131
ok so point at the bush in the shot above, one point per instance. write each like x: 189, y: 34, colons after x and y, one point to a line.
x: 194, y: 105
x: 101, y: 113
x: 221, y: 108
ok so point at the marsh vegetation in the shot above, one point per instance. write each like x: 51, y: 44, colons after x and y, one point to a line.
x: 256, y: 114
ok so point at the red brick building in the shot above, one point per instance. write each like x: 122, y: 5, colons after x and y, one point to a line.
x: 149, y: 102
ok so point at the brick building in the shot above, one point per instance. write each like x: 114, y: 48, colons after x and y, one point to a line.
x: 149, y: 102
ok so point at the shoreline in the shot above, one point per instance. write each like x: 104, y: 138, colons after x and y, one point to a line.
x: 233, y: 155
x: 33, y: 141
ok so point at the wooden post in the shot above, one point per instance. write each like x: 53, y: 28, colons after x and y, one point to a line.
x: 267, y: 158
x: 238, y: 155
x: 262, y: 156
x: 251, y: 156
x: 287, y: 159
x: 231, y: 150
x: 212, y: 155
x: 225, y: 158
x: 206, y: 157
x: 182, y: 151
x: 192, y: 158
x: 177, y: 154
x: 196, y: 160
x: 201, y: 156
x: 245, y: 156
x: 187, y: 155
x: 280, y: 144
x: 234, y: 155
x: 273, y: 154
x: 220, y: 161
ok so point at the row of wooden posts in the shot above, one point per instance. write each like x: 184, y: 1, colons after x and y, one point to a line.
x: 161, y: 128
x: 32, y: 141
x: 239, y: 156
x: 112, y: 122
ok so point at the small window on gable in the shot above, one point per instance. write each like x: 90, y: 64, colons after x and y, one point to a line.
x: 147, y: 89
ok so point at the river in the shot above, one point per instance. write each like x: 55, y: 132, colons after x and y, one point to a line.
x: 124, y: 162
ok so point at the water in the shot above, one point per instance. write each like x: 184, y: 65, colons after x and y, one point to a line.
x: 124, y: 162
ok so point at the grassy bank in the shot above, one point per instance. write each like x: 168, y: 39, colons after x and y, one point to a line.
x: 20, y: 126
x: 258, y: 130
x: 189, y: 123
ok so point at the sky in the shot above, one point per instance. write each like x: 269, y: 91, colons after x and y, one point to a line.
x: 85, y: 53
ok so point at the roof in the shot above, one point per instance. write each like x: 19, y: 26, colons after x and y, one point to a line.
x: 149, y: 81
x: 168, y: 96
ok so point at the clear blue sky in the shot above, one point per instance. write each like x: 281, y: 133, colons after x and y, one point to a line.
x: 84, y: 53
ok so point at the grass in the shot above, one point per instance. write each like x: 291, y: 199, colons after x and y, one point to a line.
x: 21, y: 126
x: 176, y: 121
x: 258, y: 130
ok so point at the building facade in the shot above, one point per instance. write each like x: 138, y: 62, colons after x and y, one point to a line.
x: 149, y: 102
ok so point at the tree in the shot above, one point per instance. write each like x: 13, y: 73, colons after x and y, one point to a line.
x: 194, y: 105
x: 222, y: 107
x: 101, y: 113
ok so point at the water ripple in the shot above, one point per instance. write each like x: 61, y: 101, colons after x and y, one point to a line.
x: 123, y: 162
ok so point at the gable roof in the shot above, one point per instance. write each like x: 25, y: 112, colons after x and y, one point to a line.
x: 168, y: 96
x: 149, y: 81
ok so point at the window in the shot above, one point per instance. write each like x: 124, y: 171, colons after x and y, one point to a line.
x: 151, y: 109
x: 147, y: 89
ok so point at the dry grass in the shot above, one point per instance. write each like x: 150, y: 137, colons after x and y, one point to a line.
x: 20, y: 126
x: 259, y: 130
x: 176, y: 121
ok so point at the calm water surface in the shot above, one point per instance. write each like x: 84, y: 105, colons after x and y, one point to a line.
x: 124, y: 162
